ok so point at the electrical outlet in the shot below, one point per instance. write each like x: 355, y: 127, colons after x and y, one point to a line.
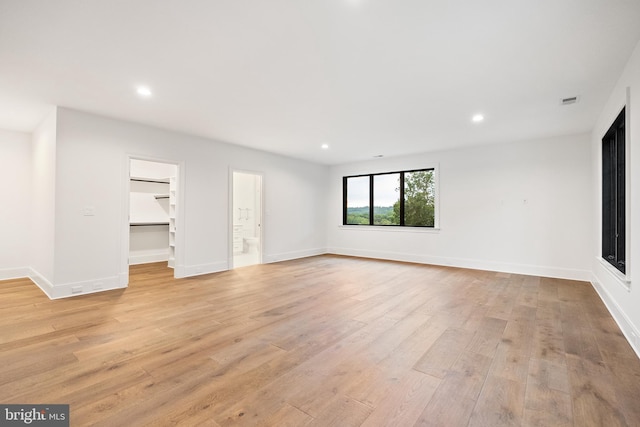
x: 76, y: 290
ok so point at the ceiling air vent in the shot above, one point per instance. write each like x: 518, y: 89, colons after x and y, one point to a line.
x: 570, y: 100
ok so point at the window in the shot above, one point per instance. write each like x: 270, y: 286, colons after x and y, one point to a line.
x: 613, y: 194
x: 357, y: 197
x: 385, y: 198
x: 395, y: 198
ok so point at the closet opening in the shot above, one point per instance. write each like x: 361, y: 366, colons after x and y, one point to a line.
x: 153, y: 199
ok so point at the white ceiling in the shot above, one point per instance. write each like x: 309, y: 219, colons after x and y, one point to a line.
x: 367, y: 77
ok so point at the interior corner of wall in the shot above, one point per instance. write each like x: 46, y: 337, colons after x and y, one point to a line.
x: 629, y: 330
x: 45, y: 285
x: 124, y: 279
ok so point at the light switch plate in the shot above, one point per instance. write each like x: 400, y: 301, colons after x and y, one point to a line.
x: 88, y: 211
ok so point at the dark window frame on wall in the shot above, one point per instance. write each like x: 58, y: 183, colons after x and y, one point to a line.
x: 613, y: 194
x: 405, y: 179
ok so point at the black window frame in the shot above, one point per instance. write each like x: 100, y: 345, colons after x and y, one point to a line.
x: 401, y: 198
x: 614, y: 194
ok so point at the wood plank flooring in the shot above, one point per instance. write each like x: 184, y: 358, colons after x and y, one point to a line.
x: 322, y: 341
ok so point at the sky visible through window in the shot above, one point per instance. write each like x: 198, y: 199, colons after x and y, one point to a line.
x: 358, y: 189
x: 386, y: 190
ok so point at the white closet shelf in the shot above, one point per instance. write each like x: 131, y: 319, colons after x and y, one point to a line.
x: 172, y: 222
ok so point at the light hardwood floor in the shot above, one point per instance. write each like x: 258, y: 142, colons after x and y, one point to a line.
x: 322, y: 341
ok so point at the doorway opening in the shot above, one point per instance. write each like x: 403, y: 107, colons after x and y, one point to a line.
x: 247, y: 219
x: 153, y: 199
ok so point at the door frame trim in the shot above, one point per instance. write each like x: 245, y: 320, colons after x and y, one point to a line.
x: 261, y: 244
x: 180, y: 196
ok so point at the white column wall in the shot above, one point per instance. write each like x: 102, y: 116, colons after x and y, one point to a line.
x: 42, y: 216
x: 15, y: 190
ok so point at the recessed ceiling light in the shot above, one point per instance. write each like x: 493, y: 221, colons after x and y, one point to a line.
x: 143, y: 91
x: 325, y: 146
x: 477, y: 118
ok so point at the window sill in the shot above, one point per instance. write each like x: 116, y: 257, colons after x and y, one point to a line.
x: 623, y: 279
x: 391, y: 228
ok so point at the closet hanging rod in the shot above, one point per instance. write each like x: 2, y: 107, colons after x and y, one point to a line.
x: 144, y: 224
x: 157, y: 181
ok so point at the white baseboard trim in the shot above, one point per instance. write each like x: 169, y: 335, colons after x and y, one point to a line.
x: 86, y: 287
x: 630, y: 332
x: 44, y: 285
x: 196, y: 270
x: 14, y: 273
x: 286, y: 256
x: 75, y: 289
x: 148, y: 258
x: 532, y: 270
x: 65, y: 290
x: 124, y: 279
x: 29, y: 273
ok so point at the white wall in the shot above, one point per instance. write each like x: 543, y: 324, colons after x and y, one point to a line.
x: 295, y: 195
x: 149, y: 243
x: 144, y: 207
x: 43, y: 164
x: 151, y: 170
x: 91, y: 158
x: 621, y: 297
x: 523, y: 207
x: 15, y: 188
